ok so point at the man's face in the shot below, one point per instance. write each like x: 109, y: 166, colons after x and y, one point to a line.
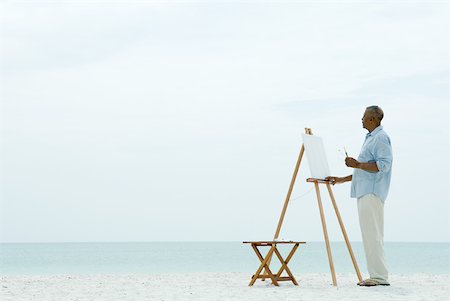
x: 367, y: 119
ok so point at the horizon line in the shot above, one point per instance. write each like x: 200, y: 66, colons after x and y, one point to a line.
x: 196, y: 241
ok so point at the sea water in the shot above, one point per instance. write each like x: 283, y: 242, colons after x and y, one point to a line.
x: 192, y: 257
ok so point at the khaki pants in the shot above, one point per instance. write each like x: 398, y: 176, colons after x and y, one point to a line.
x: 371, y: 221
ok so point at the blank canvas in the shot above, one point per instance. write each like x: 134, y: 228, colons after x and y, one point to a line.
x: 317, y: 159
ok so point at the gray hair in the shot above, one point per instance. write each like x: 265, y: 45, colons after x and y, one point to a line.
x: 376, y: 112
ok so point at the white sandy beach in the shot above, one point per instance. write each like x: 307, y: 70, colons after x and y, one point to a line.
x: 219, y: 286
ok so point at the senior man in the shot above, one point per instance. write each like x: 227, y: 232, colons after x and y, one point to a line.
x: 370, y: 185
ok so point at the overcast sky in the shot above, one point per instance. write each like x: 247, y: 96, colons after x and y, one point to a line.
x: 155, y: 121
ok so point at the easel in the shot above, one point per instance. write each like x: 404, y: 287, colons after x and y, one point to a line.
x: 324, y: 226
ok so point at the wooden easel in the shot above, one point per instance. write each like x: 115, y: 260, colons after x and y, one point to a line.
x: 324, y: 226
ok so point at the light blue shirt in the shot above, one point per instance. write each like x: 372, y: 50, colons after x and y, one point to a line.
x: 376, y: 148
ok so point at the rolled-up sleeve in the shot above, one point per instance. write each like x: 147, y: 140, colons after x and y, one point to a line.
x: 383, y: 154
x: 376, y: 148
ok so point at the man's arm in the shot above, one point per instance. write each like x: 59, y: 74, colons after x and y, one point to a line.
x: 382, y: 154
x: 369, y: 166
x: 338, y: 180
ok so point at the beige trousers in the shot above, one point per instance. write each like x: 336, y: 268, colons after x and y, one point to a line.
x: 371, y: 221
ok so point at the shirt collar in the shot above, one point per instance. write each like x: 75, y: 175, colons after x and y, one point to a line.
x: 376, y: 130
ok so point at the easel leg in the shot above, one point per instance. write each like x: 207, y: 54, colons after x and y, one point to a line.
x: 355, y: 265
x: 288, y: 196
x: 325, y: 234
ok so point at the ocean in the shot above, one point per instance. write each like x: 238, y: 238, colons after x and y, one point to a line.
x: 187, y: 257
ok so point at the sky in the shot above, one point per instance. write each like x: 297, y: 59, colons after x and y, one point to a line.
x: 182, y: 120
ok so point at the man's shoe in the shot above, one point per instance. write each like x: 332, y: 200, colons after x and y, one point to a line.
x: 367, y: 282
x: 373, y: 282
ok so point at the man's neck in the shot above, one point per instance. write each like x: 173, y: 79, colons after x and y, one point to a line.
x: 372, y: 129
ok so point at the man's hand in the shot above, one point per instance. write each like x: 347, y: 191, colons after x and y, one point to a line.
x: 351, y: 162
x: 336, y: 180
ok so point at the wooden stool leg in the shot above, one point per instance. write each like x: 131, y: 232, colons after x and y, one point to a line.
x: 288, y: 258
x: 284, y: 267
x: 264, y: 265
x: 325, y: 234
x: 355, y: 265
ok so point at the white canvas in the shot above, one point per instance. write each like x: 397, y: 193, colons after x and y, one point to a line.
x: 317, y: 159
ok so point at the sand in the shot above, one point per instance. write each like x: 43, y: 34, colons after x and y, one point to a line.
x: 218, y: 286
